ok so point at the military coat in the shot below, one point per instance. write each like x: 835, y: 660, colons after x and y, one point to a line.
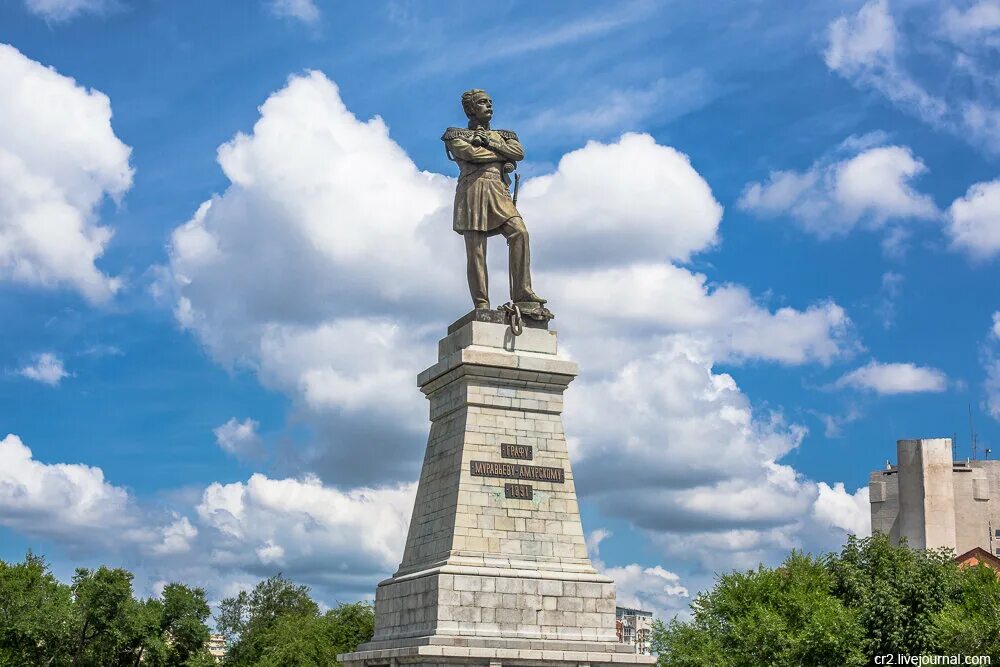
x: 482, y: 198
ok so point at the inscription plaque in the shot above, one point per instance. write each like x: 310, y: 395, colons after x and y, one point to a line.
x: 516, y: 452
x: 517, y: 471
x: 519, y: 491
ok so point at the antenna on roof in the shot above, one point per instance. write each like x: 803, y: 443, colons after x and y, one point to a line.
x: 972, y: 434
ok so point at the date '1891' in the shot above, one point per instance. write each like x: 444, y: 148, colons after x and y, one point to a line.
x: 518, y: 491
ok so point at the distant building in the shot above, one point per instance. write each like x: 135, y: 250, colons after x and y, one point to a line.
x: 934, y: 501
x: 217, y: 647
x: 634, y: 626
x: 978, y: 556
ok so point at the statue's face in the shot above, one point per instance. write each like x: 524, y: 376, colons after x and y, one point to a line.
x: 482, y: 108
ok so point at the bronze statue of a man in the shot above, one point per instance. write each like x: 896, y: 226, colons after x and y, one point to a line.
x: 483, y: 205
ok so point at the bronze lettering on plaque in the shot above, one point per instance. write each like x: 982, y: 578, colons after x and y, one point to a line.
x: 518, y: 491
x: 516, y: 452
x: 517, y: 471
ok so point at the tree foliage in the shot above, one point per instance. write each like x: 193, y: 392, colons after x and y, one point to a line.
x: 785, y: 617
x: 96, y: 621
x: 278, y: 624
x: 895, y: 591
x: 296, y: 641
x: 37, y: 621
x: 969, y: 624
x: 844, y: 609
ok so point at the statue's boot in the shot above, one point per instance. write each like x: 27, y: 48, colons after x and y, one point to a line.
x: 482, y: 305
x: 530, y: 296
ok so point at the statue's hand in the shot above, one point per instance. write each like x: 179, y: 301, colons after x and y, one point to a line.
x: 481, y: 139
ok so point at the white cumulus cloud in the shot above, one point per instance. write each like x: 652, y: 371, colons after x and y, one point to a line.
x: 305, y: 526
x: 639, y: 587
x: 239, y: 438
x: 328, y: 266
x: 665, y: 299
x: 659, y: 208
x: 74, y: 504
x: 59, y: 159
x: 46, y: 368
x: 688, y: 460
x: 851, y: 512
x: 177, y: 538
x: 872, y: 189
x: 341, y: 540
x: 66, y: 499
x: 974, y: 221
x: 865, y: 40
x: 895, y: 378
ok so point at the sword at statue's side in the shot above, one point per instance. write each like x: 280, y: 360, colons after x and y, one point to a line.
x: 505, y: 172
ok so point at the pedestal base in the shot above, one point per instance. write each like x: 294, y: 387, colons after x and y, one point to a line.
x: 495, y: 570
x: 441, y: 650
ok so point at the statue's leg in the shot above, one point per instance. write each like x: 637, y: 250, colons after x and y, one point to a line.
x: 475, y: 254
x: 520, y: 261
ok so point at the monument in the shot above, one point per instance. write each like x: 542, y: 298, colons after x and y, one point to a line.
x: 484, y: 206
x: 495, y: 569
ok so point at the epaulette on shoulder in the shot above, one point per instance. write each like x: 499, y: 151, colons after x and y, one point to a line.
x: 457, y: 133
x: 465, y: 133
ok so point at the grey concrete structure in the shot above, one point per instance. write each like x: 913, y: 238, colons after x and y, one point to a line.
x: 495, y: 569
x: 934, y: 501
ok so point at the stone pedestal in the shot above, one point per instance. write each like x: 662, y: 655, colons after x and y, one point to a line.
x: 495, y: 569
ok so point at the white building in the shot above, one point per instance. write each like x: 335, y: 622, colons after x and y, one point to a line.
x: 934, y: 501
x: 634, y: 626
x: 217, y: 647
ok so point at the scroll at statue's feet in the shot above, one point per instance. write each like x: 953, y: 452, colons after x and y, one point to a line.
x: 531, y: 296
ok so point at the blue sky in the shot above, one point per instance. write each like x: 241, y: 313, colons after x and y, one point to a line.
x: 771, y: 240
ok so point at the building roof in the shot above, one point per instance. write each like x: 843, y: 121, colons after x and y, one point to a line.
x: 627, y: 611
x: 978, y: 555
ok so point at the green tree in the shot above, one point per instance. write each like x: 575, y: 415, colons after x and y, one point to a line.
x: 970, y: 625
x: 97, y: 622
x: 246, y: 619
x: 686, y: 644
x: 172, y: 629
x: 315, y: 641
x: 109, y: 621
x: 36, y: 615
x: 895, y: 591
x: 297, y: 641
x: 351, y: 626
x: 785, y: 617
x: 184, y: 612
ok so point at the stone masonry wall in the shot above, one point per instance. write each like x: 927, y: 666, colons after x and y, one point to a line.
x: 477, y: 562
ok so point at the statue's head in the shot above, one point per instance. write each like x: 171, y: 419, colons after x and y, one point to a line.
x: 477, y: 105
